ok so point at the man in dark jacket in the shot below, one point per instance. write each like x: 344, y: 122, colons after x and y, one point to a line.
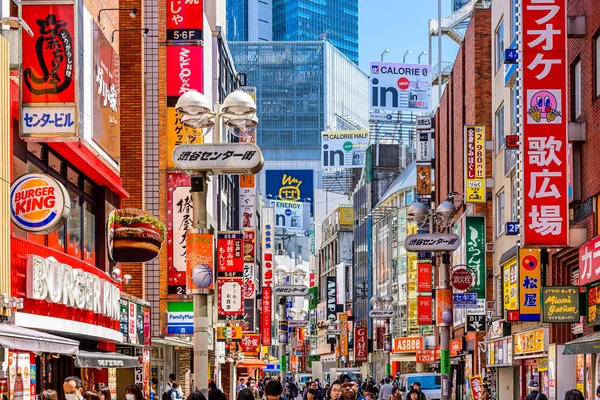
x: 535, y: 393
x: 215, y: 393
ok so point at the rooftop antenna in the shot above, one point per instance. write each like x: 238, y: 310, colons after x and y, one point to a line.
x: 324, y: 35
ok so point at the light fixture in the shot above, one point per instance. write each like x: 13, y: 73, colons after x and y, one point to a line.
x: 16, y: 23
x: 445, y: 214
x: 423, y: 53
x: 245, y: 121
x: 193, y: 102
x: 197, y: 121
x: 239, y: 103
x: 375, y: 301
x: 417, y: 213
x: 144, y: 32
x: 384, y: 53
x: 405, y: 54
x: 387, y: 300
x: 116, y: 273
x: 127, y: 279
x: 132, y: 14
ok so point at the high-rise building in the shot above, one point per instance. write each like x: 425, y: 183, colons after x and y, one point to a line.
x: 458, y: 4
x: 249, y: 20
x: 310, y: 20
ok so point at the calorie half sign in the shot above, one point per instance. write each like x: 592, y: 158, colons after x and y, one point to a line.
x: 512, y: 141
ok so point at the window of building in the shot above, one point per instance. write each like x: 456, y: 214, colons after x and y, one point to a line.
x: 500, y: 129
x: 576, y: 85
x: 513, y: 18
x: 499, y: 44
x: 514, y: 110
x: 500, y: 222
x: 514, y: 202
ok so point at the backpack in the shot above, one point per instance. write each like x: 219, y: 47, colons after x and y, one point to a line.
x: 165, y: 396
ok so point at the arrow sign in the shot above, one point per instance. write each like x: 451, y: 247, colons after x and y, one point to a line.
x: 476, y: 323
x: 381, y: 313
x: 291, y: 290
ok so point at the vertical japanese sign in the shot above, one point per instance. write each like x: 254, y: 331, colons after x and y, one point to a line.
x: 360, y: 344
x: 530, y: 279
x: 132, y: 323
x: 423, y: 180
x: 199, y: 261
x: 230, y: 268
x: 268, y: 244
x: 230, y: 299
x: 511, y: 286
x: 475, y: 253
x: 475, y: 164
x: 249, y: 264
x: 344, y: 335
x: 48, y: 98
x: 180, y: 209
x: 424, y: 310
x: 543, y: 62
x: 424, y: 276
x: 184, y: 20
x: 476, y: 387
x: 250, y: 345
x: 589, y: 262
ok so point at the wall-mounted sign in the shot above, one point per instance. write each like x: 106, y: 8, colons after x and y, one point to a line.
x: 425, y: 356
x: 344, y: 336
x: 250, y: 344
x: 132, y: 323
x: 530, y: 284
x: 249, y: 274
x: 230, y: 299
x: 200, y: 261
x: 219, y: 158
x: 424, y: 276
x: 407, y: 344
x: 360, y: 344
x: 461, y: 279
x: 423, y: 146
x: 512, y: 141
x: 423, y: 180
x: 230, y: 261
x: 511, y: 286
x: 331, y: 298
x: 424, y: 123
x: 476, y: 387
x: 593, y: 310
x: 378, y: 314
x: 290, y: 185
x: 49, y: 110
x: 424, y: 310
x: 179, y: 205
x: 291, y: 291
x: 59, y: 283
x: 432, y: 242
x: 180, y: 318
x: 589, y: 261
x: 474, y: 164
x: 560, y: 304
x: 124, y: 319
x: 475, y: 252
x: 464, y: 300
x: 400, y: 87
x: 183, y: 21
x: 343, y: 149
x: 38, y: 203
x: 134, y: 236
x: 184, y: 67
x: 529, y: 342
x: 230, y: 333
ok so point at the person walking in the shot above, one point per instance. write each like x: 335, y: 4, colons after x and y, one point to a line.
x: 575, y: 394
x: 241, y: 386
x: 174, y: 393
x: 535, y: 393
x: 416, y: 387
x: 214, y: 393
x: 133, y: 392
x: 252, y: 387
x: 486, y: 392
x: 386, y: 390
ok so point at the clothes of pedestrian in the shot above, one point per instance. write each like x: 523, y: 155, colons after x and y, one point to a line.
x: 216, y: 394
x: 386, y: 391
x: 535, y: 395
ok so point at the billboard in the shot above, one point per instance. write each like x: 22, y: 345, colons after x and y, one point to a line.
x: 134, y: 236
x: 288, y: 214
x: 400, y: 87
x: 290, y: 185
x: 179, y: 206
x: 343, y: 149
x: 543, y: 62
x: 49, y: 64
x: 475, y: 164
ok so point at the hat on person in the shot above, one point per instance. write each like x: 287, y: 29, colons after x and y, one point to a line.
x: 533, y: 384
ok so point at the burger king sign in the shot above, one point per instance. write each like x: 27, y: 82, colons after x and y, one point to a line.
x: 38, y: 203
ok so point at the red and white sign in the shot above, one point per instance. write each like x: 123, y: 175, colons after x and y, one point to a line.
x: 476, y: 387
x: 250, y: 344
x: 265, y: 317
x: 132, y: 321
x: 407, y: 344
x: 543, y: 62
x: 184, y: 20
x: 179, y: 205
x: 360, y: 345
x: 424, y: 276
x: 426, y: 356
x: 231, y: 299
x: 268, y: 243
x: 461, y: 279
x: 230, y: 261
x: 424, y: 310
x: 184, y: 69
x: 589, y: 261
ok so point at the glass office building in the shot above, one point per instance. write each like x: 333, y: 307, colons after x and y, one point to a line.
x: 249, y: 20
x: 458, y: 4
x: 303, y: 88
x: 311, y: 20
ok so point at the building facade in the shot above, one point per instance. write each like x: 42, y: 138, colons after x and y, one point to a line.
x: 249, y: 20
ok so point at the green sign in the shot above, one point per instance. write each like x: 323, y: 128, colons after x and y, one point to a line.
x: 283, y: 363
x: 475, y: 246
x: 445, y: 362
x: 560, y: 304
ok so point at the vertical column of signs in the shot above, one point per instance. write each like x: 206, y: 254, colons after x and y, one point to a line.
x: 424, y: 289
x: 230, y: 268
x: 267, y: 243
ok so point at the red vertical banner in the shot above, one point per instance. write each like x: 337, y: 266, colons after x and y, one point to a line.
x: 265, y: 317
x: 424, y: 276
x: 543, y: 65
x: 230, y: 261
x: 184, y: 20
x: 360, y: 344
x: 424, y: 310
x: 184, y: 70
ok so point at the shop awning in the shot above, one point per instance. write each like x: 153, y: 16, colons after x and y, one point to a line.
x: 583, y: 345
x: 252, y: 363
x: 88, y: 359
x: 18, y: 338
x: 403, y: 357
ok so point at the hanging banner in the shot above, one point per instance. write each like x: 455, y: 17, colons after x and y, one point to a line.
x: 268, y: 245
x: 249, y: 321
x: 184, y: 70
x: 424, y: 146
x: 180, y: 207
x: 200, y: 261
x: 476, y: 387
x: 560, y: 304
x: 424, y: 276
x: 360, y: 345
x: 184, y: 23
x: 511, y: 286
x: 475, y: 252
x: 250, y: 345
x: 265, y: 316
x: 443, y: 304
x: 530, y: 282
x: 543, y: 64
x: 474, y: 164
x: 344, y: 336
x: 230, y: 262
x: 249, y: 265
x: 230, y: 299
x: 423, y: 180
x: 425, y: 310
x: 331, y: 298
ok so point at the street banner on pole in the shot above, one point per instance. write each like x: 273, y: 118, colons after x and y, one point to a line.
x: 474, y: 164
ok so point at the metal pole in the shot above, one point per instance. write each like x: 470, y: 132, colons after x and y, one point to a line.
x: 388, y: 363
x: 444, y: 272
x: 282, y: 346
x: 202, y: 322
x: 440, y: 51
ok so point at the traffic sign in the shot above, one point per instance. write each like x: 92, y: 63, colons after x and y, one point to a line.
x: 432, y: 242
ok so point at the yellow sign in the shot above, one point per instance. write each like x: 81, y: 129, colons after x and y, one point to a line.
x: 346, y: 216
x: 529, y: 342
x: 511, y: 286
x: 229, y: 333
x: 178, y: 134
x: 530, y: 285
x: 474, y: 164
x: 344, y: 335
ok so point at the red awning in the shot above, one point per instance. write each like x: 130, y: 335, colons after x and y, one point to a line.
x: 252, y: 363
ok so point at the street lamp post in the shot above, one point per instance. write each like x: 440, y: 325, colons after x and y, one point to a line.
x: 382, y: 308
x: 406, y: 54
x: 384, y: 53
x: 238, y: 110
x: 423, y: 53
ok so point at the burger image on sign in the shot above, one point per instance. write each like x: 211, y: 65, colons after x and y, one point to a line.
x: 38, y: 203
x: 134, y: 236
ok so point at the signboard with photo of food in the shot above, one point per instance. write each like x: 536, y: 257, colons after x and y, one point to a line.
x: 134, y: 236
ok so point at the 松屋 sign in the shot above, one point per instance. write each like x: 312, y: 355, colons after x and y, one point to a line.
x: 530, y: 284
x: 475, y: 164
x: 543, y: 63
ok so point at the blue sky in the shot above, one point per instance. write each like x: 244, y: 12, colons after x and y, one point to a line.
x: 399, y: 25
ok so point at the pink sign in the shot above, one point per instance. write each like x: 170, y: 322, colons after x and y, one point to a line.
x: 589, y: 261
x: 265, y: 317
x: 184, y: 70
x: 360, y: 344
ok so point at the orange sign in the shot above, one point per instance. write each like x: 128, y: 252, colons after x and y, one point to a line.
x: 455, y: 346
x: 199, y: 261
x: 344, y: 336
x: 426, y: 356
x: 246, y: 181
x: 407, y: 344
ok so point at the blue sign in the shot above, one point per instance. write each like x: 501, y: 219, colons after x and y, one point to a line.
x: 180, y: 323
x: 290, y: 185
x: 288, y: 212
x: 464, y: 300
x: 512, y: 228
x: 511, y: 56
